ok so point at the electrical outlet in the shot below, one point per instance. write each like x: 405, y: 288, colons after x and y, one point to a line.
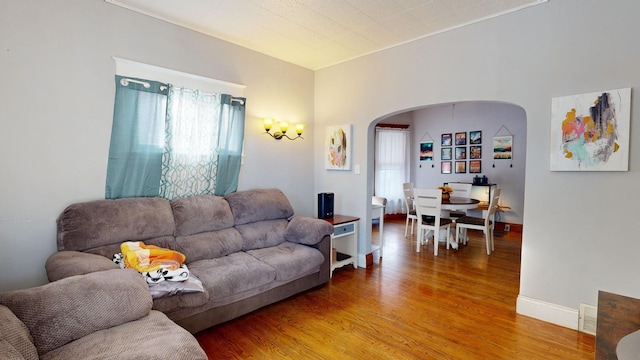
x: 507, y: 227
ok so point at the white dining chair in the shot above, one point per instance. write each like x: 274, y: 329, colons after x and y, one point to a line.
x: 460, y: 190
x: 428, y: 204
x: 407, y: 188
x: 485, y: 224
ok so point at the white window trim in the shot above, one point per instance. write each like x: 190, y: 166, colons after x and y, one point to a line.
x: 125, y: 67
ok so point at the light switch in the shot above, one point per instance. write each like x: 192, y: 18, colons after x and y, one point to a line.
x: 356, y: 169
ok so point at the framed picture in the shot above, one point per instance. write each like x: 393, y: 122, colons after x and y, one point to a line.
x: 461, y: 167
x: 475, y: 137
x: 445, y: 140
x: 502, y: 147
x: 474, y: 166
x: 461, y: 138
x: 461, y: 153
x: 445, y: 167
x: 590, y: 132
x: 445, y: 154
x: 475, y: 152
x: 426, y: 151
x: 338, y: 146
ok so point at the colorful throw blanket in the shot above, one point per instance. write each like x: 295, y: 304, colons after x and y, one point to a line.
x: 155, y: 263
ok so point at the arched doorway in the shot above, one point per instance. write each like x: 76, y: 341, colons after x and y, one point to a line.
x: 489, y: 119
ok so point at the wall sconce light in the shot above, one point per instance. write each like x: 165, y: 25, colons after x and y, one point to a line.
x: 284, y: 126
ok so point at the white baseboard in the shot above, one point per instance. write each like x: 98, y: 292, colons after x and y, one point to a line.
x: 548, y: 312
x: 362, y: 260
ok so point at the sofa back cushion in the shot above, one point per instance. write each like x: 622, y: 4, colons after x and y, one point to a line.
x: 262, y: 234
x: 258, y: 205
x: 100, y: 226
x: 204, y: 227
x: 68, y: 309
x: 15, y: 339
x: 202, y: 213
x: 209, y: 245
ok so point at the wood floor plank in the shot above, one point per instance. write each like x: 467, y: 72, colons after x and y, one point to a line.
x: 458, y: 305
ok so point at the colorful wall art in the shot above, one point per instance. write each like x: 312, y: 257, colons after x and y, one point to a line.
x: 338, y: 148
x: 475, y: 137
x: 590, y: 132
x: 426, y: 151
x: 502, y: 146
x: 446, y: 140
x: 445, y: 167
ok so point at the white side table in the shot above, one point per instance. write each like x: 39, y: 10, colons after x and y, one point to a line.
x: 345, y: 240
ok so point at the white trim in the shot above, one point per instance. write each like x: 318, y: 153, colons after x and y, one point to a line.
x: 553, y: 313
x: 362, y: 260
x: 125, y: 67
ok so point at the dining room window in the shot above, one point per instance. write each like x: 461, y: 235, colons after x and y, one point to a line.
x: 392, y: 164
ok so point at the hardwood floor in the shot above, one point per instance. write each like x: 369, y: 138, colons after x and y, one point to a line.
x: 459, y: 305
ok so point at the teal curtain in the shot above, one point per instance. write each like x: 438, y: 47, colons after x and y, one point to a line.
x: 137, y: 138
x: 231, y: 138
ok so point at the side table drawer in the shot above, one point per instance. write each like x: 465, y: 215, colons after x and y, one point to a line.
x: 343, y: 229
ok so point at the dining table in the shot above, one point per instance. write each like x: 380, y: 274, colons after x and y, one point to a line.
x: 455, y: 203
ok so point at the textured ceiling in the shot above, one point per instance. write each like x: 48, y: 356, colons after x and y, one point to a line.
x: 319, y: 33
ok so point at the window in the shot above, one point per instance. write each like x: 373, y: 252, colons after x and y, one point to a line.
x: 391, y: 166
x: 173, y: 141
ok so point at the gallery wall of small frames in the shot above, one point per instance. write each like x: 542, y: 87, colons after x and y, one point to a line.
x: 461, y: 152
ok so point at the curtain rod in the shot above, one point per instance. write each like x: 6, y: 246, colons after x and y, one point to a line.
x: 126, y: 81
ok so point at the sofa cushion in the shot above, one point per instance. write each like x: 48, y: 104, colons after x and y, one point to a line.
x: 68, y: 309
x: 198, y: 214
x: 181, y: 301
x: 209, y: 245
x: 15, y: 339
x: 306, y: 230
x: 151, y: 337
x: 258, y: 205
x: 63, y: 264
x: 290, y: 260
x: 95, y: 224
x: 262, y: 234
x: 233, y: 274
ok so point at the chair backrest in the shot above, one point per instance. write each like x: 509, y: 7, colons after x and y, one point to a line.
x: 407, y: 188
x: 493, y: 206
x: 378, y: 200
x: 461, y: 190
x: 428, y: 202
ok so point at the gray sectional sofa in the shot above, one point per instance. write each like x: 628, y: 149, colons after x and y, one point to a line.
x: 101, y: 315
x: 247, y: 248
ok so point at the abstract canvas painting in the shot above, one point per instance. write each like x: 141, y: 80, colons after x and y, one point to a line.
x: 502, y: 147
x: 338, y: 148
x: 590, y: 132
x: 426, y: 151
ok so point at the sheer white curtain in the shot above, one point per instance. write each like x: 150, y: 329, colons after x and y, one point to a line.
x: 190, y: 159
x: 392, y: 166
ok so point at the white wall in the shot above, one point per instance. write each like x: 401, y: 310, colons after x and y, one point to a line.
x: 488, y: 117
x: 56, y: 111
x: 577, y: 237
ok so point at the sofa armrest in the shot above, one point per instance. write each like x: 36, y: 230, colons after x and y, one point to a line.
x: 15, y: 340
x: 64, y: 264
x: 307, y: 230
x: 324, y: 246
x: 66, y: 310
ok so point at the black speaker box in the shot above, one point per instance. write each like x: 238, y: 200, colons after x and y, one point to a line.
x: 325, y: 205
